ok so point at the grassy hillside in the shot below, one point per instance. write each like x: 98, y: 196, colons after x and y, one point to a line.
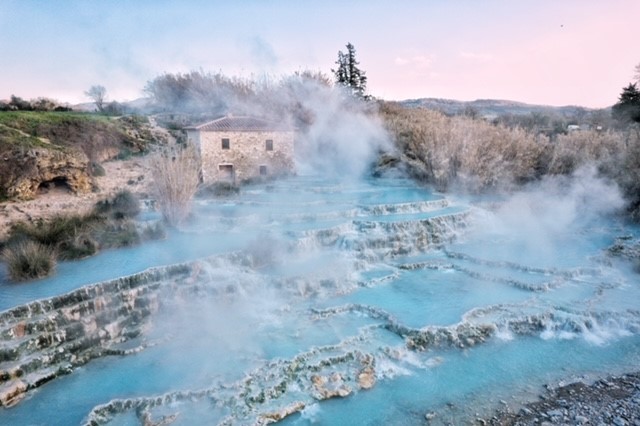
x: 43, y: 148
x: 99, y: 137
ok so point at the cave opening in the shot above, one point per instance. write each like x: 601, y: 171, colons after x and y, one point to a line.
x: 57, y: 184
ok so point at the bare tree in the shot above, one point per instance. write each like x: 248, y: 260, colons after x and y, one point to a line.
x: 637, y: 73
x: 176, y: 174
x: 98, y: 94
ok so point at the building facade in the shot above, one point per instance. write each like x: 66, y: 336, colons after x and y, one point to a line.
x: 236, y: 149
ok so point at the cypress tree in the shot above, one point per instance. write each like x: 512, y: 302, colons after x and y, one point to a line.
x: 348, y: 74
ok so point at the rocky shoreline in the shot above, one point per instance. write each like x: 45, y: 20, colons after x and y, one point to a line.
x: 611, y: 401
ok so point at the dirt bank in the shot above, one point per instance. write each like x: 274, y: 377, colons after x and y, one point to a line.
x: 132, y: 174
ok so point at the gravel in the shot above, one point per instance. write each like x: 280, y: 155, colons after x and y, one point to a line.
x: 611, y: 401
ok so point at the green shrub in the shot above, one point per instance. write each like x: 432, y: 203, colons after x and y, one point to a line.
x: 77, y: 247
x: 154, y: 232
x: 97, y: 169
x: 28, y: 260
x: 124, y: 154
x: 54, y: 231
x: 119, y: 234
x: 123, y: 205
x: 70, y: 237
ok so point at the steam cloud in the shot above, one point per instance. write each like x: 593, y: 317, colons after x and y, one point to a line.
x: 344, y: 139
x: 544, y: 215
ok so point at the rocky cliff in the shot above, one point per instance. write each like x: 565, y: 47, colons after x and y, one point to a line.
x: 23, y: 174
x: 40, y: 150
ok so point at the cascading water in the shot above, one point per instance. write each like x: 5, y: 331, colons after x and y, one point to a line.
x: 311, y: 301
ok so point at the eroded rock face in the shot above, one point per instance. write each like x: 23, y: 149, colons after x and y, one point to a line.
x: 11, y: 393
x: 330, y: 387
x: 276, y: 416
x: 367, y: 378
x: 22, y: 174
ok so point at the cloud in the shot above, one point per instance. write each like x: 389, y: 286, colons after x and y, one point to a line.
x: 421, y: 62
x: 478, y: 57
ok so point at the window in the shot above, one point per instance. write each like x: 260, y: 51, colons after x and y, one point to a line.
x: 263, y: 170
x: 225, y: 143
x: 269, y: 144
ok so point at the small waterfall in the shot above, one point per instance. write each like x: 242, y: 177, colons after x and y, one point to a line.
x: 332, y: 296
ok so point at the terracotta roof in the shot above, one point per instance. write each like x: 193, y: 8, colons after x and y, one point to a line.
x: 241, y: 124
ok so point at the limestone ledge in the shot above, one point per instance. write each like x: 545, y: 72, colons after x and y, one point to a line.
x: 48, y: 338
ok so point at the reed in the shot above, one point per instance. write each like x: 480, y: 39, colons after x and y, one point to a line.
x: 176, y: 175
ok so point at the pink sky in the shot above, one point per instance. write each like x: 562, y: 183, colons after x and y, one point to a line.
x: 559, y: 52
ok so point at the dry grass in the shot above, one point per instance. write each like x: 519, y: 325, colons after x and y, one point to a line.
x: 68, y: 236
x: 29, y: 260
x: 574, y: 149
x: 460, y: 150
x: 176, y: 175
x: 476, y: 155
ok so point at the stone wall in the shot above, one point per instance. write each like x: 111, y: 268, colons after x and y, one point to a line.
x: 246, y: 154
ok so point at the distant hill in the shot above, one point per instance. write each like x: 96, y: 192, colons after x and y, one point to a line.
x: 494, y: 107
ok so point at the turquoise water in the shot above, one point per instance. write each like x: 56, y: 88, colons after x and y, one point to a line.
x: 318, y: 301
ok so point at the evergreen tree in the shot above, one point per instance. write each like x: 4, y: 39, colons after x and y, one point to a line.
x: 348, y: 74
x: 627, y: 110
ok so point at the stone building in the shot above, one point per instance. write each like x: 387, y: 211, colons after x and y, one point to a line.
x: 240, y: 148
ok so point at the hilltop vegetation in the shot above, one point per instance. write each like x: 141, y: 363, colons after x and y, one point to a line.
x: 97, y: 136
x: 44, y: 147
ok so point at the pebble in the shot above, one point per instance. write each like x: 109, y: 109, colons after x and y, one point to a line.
x: 619, y: 421
x: 581, y: 420
x: 612, y: 401
x: 555, y: 413
x: 525, y: 411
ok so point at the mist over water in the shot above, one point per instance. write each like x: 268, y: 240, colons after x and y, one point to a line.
x: 545, y: 217
x: 454, y: 307
x: 341, y: 299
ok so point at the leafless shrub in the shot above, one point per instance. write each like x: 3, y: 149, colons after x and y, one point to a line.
x: 175, y: 173
x: 460, y: 150
x: 478, y: 155
x: 628, y: 175
x: 578, y: 148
